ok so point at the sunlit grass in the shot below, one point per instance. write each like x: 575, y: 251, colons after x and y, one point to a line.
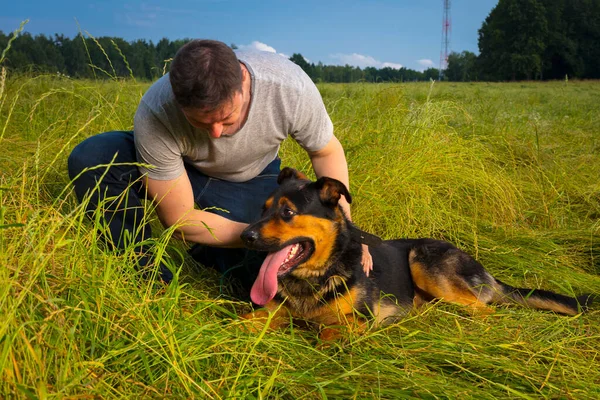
x: 507, y: 171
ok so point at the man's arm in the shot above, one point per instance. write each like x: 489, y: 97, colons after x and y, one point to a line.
x: 331, y: 161
x: 175, y: 206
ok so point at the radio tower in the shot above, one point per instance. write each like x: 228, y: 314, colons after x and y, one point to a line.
x: 445, y: 39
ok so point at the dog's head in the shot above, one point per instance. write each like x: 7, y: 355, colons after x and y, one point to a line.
x: 299, y: 227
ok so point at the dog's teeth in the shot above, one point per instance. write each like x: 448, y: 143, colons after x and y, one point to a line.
x: 292, y: 252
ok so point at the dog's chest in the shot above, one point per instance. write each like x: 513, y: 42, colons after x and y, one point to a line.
x: 328, y: 303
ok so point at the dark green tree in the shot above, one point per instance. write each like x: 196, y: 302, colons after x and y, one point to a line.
x: 299, y: 60
x: 560, y: 55
x: 512, y: 40
x: 142, y: 59
x: 462, y: 67
x: 431, y: 73
x: 73, y: 51
x: 581, y: 33
x: 111, y: 58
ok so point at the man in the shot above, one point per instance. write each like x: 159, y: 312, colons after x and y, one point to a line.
x: 209, y: 133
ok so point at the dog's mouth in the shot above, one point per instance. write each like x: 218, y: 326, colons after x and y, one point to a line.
x: 278, y: 264
x: 298, y: 253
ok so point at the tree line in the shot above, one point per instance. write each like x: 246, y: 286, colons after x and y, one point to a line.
x: 112, y: 57
x: 88, y: 57
x: 534, y: 39
x: 520, y: 39
x: 335, y: 73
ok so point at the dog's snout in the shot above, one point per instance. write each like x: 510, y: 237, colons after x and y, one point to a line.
x: 250, y: 236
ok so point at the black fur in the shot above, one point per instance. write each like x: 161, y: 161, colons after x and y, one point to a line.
x: 406, y: 271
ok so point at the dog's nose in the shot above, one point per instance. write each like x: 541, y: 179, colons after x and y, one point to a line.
x: 249, y: 236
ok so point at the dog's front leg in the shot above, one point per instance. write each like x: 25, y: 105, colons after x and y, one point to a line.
x: 274, y: 314
x: 347, y: 324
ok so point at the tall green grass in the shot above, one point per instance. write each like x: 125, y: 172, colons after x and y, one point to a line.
x: 507, y: 171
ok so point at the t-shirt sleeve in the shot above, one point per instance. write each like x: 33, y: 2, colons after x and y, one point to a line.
x: 313, y: 129
x: 155, y: 146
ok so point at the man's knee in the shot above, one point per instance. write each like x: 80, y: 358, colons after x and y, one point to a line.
x: 101, y: 149
x: 80, y: 159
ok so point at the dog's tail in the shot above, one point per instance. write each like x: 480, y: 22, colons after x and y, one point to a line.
x: 544, y: 299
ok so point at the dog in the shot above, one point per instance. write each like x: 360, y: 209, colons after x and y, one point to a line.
x: 313, y: 269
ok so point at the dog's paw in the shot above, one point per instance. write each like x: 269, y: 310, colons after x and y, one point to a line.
x: 255, y: 321
x: 331, y: 333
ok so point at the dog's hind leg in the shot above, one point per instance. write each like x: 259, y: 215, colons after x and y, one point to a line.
x: 444, y: 284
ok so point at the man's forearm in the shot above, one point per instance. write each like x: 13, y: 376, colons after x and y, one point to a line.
x: 210, y: 229
x: 175, y: 207
x: 331, y: 162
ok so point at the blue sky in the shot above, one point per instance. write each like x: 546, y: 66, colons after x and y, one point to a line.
x: 362, y: 33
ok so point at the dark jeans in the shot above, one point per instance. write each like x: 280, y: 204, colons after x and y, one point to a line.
x: 124, y: 217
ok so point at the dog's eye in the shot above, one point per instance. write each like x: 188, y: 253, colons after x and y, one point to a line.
x: 287, y: 212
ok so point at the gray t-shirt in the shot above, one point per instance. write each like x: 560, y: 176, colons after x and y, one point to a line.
x: 284, y: 102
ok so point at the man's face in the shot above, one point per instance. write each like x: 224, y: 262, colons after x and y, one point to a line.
x: 225, y: 120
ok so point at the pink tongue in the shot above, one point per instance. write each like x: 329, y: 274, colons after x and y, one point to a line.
x: 265, y: 285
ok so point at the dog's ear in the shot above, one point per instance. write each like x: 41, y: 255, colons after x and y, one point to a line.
x: 330, y: 191
x: 290, y: 173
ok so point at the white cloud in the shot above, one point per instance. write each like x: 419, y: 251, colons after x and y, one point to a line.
x: 426, y: 63
x: 260, y: 46
x: 355, y: 59
x: 256, y: 45
x: 392, y: 65
x: 362, y: 61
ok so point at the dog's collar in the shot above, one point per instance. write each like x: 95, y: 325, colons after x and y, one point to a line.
x: 360, y: 236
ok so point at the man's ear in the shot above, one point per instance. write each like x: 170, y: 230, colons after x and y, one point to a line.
x: 290, y: 173
x: 330, y: 191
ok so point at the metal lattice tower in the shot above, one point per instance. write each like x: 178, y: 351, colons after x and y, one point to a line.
x: 446, y: 25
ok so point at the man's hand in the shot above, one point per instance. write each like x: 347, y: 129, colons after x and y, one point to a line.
x: 331, y: 161
x: 367, y: 260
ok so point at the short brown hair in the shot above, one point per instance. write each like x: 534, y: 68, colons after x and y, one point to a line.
x: 205, y: 74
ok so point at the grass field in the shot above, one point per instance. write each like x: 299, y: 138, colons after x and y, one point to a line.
x: 509, y: 172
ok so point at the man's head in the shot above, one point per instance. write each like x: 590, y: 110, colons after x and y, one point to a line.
x: 206, y: 78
